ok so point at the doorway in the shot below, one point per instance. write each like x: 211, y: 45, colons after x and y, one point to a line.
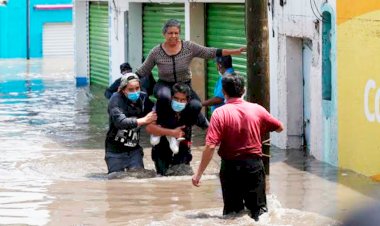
x: 307, y: 57
x: 298, y: 71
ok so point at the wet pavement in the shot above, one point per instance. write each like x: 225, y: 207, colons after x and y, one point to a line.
x: 52, y: 170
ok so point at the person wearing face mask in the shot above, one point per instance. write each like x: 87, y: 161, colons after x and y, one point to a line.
x: 124, y: 69
x: 173, y: 58
x: 171, y: 139
x: 224, y: 67
x: 128, y: 110
x: 147, y: 82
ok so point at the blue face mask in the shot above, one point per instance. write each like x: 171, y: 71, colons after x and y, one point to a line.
x: 177, y: 106
x: 133, y: 96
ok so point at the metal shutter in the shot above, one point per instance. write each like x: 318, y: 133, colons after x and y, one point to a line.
x: 154, y: 17
x: 225, y: 29
x: 58, y: 39
x: 99, y: 44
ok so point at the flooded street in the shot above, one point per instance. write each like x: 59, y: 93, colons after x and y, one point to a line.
x: 52, y: 169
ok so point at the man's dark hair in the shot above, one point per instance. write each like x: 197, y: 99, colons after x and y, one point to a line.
x: 181, y: 88
x: 125, y: 67
x: 233, y: 85
x: 225, y: 61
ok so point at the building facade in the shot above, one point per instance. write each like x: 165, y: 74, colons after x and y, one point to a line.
x: 298, y: 96
x: 358, y: 48
x: 36, y: 28
x: 325, y: 80
x: 130, y: 29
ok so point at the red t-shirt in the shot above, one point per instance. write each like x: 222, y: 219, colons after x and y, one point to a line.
x: 237, y: 127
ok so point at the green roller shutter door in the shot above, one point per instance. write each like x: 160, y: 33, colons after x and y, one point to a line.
x: 154, y: 17
x: 225, y: 29
x: 99, y: 44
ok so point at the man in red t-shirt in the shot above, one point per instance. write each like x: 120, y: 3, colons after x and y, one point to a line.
x: 237, y: 128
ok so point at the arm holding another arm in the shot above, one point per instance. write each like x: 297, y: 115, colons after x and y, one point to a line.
x: 147, y: 119
x: 161, y: 131
x: 122, y: 121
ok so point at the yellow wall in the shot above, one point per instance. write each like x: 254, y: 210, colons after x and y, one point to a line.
x: 358, y: 63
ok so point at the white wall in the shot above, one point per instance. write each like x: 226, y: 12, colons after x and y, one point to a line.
x: 135, y: 34
x: 295, y: 19
x: 81, y: 61
x: 117, y: 31
x: 294, y: 87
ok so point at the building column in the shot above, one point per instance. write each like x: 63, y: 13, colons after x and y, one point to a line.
x: 195, y: 31
x: 81, y: 51
x: 135, y: 37
x: 117, y: 34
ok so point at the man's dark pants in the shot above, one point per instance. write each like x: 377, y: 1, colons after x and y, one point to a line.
x: 243, y: 184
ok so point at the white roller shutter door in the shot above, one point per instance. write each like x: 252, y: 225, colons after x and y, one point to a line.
x: 58, y: 39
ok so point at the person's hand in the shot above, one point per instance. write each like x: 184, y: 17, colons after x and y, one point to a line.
x: 243, y: 49
x: 196, y: 179
x: 178, y: 132
x: 150, y: 117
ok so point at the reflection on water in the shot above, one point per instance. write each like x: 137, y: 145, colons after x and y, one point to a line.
x: 52, y: 170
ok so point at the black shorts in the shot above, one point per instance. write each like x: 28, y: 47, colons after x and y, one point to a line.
x: 243, y: 185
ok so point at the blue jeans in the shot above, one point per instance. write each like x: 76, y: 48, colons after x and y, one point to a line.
x: 117, y: 162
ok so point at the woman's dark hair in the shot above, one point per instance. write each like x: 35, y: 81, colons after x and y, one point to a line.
x: 233, y: 85
x: 181, y: 88
x: 171, y: 23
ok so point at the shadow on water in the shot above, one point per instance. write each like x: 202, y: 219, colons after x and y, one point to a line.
x: 301, y: 160
x: 176, y: 170
x: 134, y: 173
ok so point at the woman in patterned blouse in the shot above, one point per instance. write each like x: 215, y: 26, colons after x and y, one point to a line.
x: 173, y: 58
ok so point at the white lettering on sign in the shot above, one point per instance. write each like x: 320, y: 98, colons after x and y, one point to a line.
x: 372, y: 115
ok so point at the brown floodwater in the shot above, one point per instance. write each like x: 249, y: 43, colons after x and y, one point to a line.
x: 52, y: 170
